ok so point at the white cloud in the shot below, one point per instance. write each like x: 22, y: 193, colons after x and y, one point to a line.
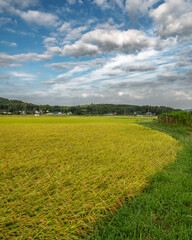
x: 97, y: 95
x: 66, y: 26
x: 102, y: 3
x: 10, y: 44
x: 31, y: 57
x: 41, y: 57
x: 54, y: 50
x: 119, y: 3
x: 80, y: 49
x: 132, y: 89
x: 84, y: 64
x: 71, y: 33
x: 13, y: 65
x: 109, y: 25
x: 6, y: 59
x: 173, y: 18
x: 39, y: 18
x: 75, y: 33
x: 137, y: 68
x: 48, y: 82
x: 4, y: 20
x: 14, y: 5
x: 49, y: 41
x: 13, y: 44
x: 134, y: 7
x: 71, y: 1
x: 4, y: 76
x: 10, y: 30
x: 112, y: 41
x: 23, y: 75
x: 22, y: 4
x: 108, y: 71
x: 31, y: 16
x: 120, y: 93
x: 19, y: 75
x: 3, y: 5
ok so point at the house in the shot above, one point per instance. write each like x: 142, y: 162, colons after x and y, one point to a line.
x: 148, y: 114
x: 111, y: 113
x: 22, y: 112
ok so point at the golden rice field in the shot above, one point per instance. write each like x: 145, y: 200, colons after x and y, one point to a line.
x: 60, y: 175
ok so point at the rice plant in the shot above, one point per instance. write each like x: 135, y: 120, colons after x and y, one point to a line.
x: 59, y: 176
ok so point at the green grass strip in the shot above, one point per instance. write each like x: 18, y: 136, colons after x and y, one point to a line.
x: 164, y: 209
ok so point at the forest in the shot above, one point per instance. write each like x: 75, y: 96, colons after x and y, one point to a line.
x: 16, y: 107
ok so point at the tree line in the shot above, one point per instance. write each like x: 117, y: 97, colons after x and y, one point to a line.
x: 16, y: 106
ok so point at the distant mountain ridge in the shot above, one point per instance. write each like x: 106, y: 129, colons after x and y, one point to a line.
x: 17, y: 106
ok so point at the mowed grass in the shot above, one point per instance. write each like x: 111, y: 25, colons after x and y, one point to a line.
x: 59, y: 176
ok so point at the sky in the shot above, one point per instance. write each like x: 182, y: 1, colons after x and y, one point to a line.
x: 75, y: 52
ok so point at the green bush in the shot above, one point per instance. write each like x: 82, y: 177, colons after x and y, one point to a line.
x: 182, y: 117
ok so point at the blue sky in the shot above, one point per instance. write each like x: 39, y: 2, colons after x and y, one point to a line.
x: 76, y: 52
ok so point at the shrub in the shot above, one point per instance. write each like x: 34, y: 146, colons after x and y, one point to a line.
x: 182, y: 117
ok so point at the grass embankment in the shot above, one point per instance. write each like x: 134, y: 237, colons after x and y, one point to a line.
x: 60, y: 175
x: 164, y: 209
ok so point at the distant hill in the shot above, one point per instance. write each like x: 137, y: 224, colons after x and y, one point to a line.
x: 7, y: 101
x: 16, y: 106
x: 188, y: 110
